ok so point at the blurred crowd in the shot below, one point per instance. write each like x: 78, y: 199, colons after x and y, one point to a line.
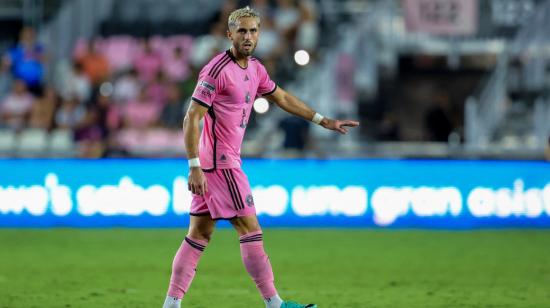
x: 127, y: 96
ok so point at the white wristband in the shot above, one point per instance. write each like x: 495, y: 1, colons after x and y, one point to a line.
x: 317, y: 118
x: 194, y: 162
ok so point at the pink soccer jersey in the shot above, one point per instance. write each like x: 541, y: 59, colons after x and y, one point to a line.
x: 228, y: 91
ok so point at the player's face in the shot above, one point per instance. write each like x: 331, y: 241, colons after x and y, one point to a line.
x: 245, y: 35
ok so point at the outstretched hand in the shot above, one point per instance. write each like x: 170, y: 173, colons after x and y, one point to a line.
x: 339, y: 125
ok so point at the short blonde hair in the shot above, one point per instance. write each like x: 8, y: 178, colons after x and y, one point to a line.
x: 241, y: 13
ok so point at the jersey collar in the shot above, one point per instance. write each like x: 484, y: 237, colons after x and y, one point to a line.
x: 230, y: 54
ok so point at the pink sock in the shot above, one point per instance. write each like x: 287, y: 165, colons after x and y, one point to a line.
x: 257, y: 263
x: 184, y: 266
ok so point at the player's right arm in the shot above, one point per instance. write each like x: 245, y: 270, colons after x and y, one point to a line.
x: 295, y: 106
x: 191, y: 134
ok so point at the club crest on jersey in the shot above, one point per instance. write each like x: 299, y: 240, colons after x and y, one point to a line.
x: 249, y: 201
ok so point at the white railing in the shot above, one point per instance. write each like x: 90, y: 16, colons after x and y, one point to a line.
x: 77, y: 18
x: 484, y: 112
x: 532, y: 45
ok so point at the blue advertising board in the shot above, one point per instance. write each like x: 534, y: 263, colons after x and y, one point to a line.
x: 438, y: 194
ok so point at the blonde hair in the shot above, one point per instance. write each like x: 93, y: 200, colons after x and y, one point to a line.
x: 242, y: 13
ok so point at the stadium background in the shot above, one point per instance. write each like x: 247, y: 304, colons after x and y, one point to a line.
x: 454, y: 107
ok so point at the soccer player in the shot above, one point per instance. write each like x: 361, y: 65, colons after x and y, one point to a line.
x: 223, y: 97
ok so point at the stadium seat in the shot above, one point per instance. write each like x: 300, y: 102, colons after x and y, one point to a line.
x: 32, y: 142
x: 128, y: 140
x: 157, y: 142
x: 61, y: 143
x: 7, y: 142
x: 120, y: 51
x: 163, y: 143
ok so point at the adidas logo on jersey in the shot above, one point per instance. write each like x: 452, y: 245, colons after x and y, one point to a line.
x: 245, y: 77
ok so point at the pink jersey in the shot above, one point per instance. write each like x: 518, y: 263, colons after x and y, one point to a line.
x: 228, y: 91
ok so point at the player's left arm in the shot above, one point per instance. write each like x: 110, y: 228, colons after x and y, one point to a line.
x: 292, y: 104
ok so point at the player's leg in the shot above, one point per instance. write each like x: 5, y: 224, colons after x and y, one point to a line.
x: 254, y: 257
x: 257, y: 263
x: 187, y: 258
x: 253, y: 254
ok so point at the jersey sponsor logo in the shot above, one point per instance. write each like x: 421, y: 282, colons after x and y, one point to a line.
x: 207, y: 85
x: 249, y: 200
x: 206, y: 93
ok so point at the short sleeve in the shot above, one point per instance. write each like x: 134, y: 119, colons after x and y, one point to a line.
x: 266, y: 86
x: 206, y: 89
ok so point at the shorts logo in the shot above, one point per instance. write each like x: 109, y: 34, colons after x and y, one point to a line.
x: 207, y: 85
x: 249, y: 201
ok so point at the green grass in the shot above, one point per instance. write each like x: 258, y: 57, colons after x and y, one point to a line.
x: 334, y: 268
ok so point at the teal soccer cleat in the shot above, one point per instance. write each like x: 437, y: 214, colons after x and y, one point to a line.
x: 296, y: 305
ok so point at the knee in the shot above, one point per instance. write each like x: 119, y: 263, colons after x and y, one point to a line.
x: 254, y: 227
x: 245, y: 226
x: 200, y: 233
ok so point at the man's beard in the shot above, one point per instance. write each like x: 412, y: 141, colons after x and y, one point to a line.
x: 244, y: 52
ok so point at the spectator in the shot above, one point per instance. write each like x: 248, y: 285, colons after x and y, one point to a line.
x: 77, y: 84
x: 208, y: 45
x: 26, y: 59
x: 172, y: 114
x: 344, y: 81
x: 271, y: 45
x: 175, y: 65
x: 16, y: 106
x: 127, y: 87
x: 265, y: 10
x: 223, y: 13
x: 94, y: 64
x: 43, y: 110
x: 70, y: 114
x: 141, y: 113
x: 286, y: 18
x: 157, y: 90
x: 90, y: 133
x: 148, y: 63
x: 308, y: 29
x: 188, y: 86
x: 437, y: 121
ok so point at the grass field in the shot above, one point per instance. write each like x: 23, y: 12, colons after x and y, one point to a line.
x: 334, y: 268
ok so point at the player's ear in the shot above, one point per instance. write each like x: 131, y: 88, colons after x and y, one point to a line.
x: 229, y: 34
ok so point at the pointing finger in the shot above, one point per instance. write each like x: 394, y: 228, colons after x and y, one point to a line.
x: 350, y: 123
